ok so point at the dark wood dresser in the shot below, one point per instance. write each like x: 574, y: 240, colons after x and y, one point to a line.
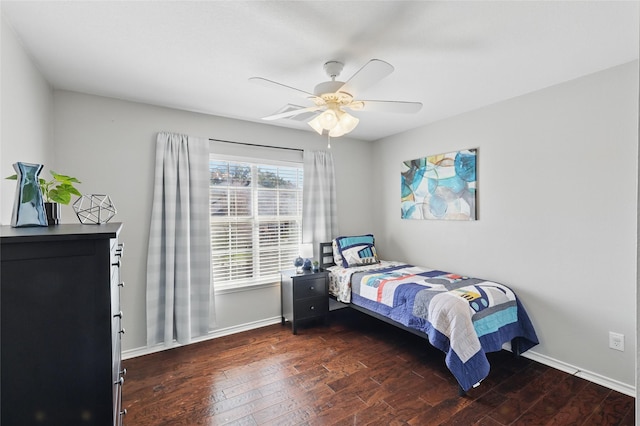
x: 60, y: 325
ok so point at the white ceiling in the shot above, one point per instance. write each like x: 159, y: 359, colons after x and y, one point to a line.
x: 198, y: 55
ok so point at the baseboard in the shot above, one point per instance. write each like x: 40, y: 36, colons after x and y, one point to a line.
x: 587, y: 375
x: 146, y: 350
x: 532, y: 355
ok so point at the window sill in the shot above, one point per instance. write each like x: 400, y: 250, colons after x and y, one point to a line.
x: 246, y: 287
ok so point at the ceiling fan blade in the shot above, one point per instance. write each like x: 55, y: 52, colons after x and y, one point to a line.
x: 291, y: 113
x: 372, y: 72
x: 273, y: 84
x: 400, y: 107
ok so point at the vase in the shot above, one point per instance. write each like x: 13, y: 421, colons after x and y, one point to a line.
x: 307, y: 265
x: 53, y: 213
x: 298, y: 263
x: 28, y: 206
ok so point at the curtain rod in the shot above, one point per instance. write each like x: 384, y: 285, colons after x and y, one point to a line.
x: 255, y: 144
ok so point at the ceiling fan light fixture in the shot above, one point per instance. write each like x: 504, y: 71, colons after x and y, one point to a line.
x: 336, y: 132
x: 328, y: 119
x: 325, y: 121
x: 336, y: 121
x: 346, y: 124
x: 315, y: 125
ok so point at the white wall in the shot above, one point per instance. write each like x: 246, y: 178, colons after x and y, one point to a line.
x: 27, y: 115
x: 109, y: 145
x: 557, y: 197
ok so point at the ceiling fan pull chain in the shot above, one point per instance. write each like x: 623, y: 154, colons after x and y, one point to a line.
x: 328, y: 141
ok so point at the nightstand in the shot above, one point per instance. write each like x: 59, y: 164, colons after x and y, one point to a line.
x: 304, y: 296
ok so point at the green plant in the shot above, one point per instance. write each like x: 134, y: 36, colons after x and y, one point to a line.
x: 57, y: 190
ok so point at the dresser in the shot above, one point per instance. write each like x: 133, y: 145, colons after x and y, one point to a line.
x: 304, y: 296
x: 61, y: 325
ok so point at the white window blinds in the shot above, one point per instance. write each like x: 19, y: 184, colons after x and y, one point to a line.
x: 256, y: 219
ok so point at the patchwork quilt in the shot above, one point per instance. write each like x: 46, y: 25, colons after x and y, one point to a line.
x: 462, y: 316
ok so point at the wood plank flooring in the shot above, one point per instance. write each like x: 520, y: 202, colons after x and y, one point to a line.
x: 357, y: 371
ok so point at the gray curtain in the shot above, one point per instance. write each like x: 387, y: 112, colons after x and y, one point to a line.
x: 179, y: 284
x: 319, y: 206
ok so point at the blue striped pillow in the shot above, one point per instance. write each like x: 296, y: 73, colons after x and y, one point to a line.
x: 357, y: 250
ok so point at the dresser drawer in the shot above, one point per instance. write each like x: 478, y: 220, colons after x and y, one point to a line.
x: 310, y: 308
x: 116, y: 338
x: 313, y: 287
x: 117, y: 405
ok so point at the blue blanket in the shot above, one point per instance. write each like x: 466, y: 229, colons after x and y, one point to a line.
x: 464, y: 317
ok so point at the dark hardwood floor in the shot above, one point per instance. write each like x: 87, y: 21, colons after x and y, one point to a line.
x: 357, y: 371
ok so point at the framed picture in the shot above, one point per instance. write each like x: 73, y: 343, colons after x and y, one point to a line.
x: 441, y: 186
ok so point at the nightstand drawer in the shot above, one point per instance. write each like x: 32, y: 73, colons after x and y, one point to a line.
x: 306, y: 288
x: 309, y: 308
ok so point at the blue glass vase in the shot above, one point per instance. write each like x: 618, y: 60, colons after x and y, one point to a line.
x: 307, y: 265
x: 28, y: 206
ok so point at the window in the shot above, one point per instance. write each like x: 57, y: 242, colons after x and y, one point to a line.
x: 256, y: 219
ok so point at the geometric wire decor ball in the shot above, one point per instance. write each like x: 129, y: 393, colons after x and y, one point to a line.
x: 94, y: 208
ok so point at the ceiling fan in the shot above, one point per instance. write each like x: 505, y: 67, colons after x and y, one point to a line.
x: 333, y: 97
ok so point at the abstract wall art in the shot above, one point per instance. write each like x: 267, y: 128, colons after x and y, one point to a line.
x: 440, y: 186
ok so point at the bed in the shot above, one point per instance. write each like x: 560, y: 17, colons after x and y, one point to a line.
x: 462, y: 316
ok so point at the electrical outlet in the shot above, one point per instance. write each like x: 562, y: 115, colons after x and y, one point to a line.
x: 616, y: 341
